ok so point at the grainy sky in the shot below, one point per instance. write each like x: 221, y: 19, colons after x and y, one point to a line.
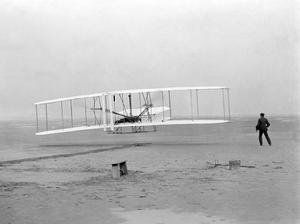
x: 60, y: 48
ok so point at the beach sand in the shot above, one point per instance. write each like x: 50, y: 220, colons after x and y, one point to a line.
x: 67, y: 178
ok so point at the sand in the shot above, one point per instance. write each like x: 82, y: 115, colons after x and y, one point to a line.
x: 168, y: 182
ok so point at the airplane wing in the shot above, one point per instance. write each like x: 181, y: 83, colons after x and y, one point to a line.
x: 132, y: 108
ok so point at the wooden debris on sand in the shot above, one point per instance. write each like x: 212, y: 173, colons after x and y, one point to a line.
x: 232, y: 164
x: 119, y: 169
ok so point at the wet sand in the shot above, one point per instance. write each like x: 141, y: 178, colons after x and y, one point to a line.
x: 168, y: 182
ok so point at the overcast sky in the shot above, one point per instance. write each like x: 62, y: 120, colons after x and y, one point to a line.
x: 60, y: 48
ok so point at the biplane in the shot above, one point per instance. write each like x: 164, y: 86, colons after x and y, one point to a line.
x: 136, y: 110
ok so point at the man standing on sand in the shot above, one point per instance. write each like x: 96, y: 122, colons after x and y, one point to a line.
x: 262, y: 126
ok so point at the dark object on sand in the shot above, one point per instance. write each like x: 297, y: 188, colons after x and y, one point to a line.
x: 248, y: 166
x: 278, y: 167
x: 119, y: 169
x: 234, y: 164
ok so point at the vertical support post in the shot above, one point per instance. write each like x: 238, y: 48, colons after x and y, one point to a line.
x: 114, y: 99
x: 197, y: 103
x: 62, y: 114
x: 223, y: 103
x: 163, y: 104
x: 110, y: 112
x: 140, y: 103
x: 71, y: 110
x: 191, y: 98
x: 95, y: 115
x: 228, y: 103
x: 99, y: 110
x: 124, y: 108
x: 130, y: 105
x: 149, y: 101
x: 46, y: 116
x: 36, y: 117
x: 85, y: 114
x: 104, y: 111
x: 169, y: 93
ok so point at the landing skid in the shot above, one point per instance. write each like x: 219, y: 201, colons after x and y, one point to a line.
x: 133, y: 130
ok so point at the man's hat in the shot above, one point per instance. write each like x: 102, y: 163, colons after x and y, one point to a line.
x: 262, y: 114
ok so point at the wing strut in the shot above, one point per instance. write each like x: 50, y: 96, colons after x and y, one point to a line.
x: 228, y: 103
x: 62, y: 113
x: 130, y: 105
x: 37, y: 118
x: 191, y: 99
x: 71, y: 109
x: 163, y: 104
x: 85, y: 115
x: 104, y: 114
x: 197, y: 103
x: 122, y: 100
x: 223, y: 100
x: 46, y: 117
x: 170, y: 111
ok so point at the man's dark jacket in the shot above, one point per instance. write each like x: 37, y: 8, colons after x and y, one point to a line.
x: 262, y: 124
